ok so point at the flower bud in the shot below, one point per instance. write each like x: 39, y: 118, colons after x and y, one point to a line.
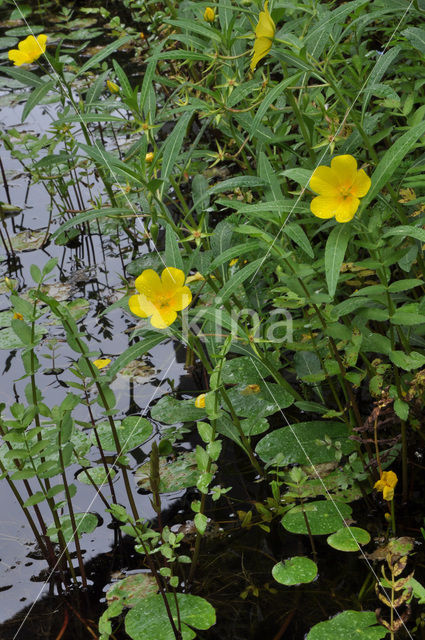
x: 209, y: 14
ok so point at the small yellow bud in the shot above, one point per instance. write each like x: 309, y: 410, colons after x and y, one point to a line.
x: 387, y: 516
x: 100, y: 364
x: 209, y: 14
x: 9, y: 283
x: 142, y: 36
x: 149, y: 157
x: 113, y: 88
x: 233, y: 262
x: 18, y: 316
x: 200, y: 401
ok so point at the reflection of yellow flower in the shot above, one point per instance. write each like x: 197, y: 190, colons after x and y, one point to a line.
x: 160, y: 298
x: 200, y: 401
x: 209, y: 14
x: 103, y: 362
x: 28, y: 50
x: 386, y: 484
x: 339, y: 187
x: 113, y: 88
x: 264, y: 34
x: 18, y: 316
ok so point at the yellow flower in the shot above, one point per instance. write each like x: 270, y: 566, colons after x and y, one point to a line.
x: 101, y: 363
x: 264, y: 34
x: 200, y: 401
x: 339, y: 187
x: 160, y: 298
x: 113, y: 88
x: 149, y: 157
x: 209, y: 14
x: 28, y: 50
x: 18, y: 316
x: 386, y: 484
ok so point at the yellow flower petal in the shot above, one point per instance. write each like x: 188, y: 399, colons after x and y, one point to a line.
x: 266, y: 27
x: 148, y: 283
x: 379, y: 485
x: 28, y: 50
x: 181, y: 299
x: 200, y: 401
x: 388, y: 493
x: 261, y: 48
x: 101, y: 363
x: 325, y: 206
x: 209, y: 14
x: 172, y: 279
x: 390, y: 478
x: 361, y: 184
x: 163, y: 317
x: 347, y: 208
x: 345, y: 170
x: 264, y: 34
x: 141, y: 306
x: 323, y: 181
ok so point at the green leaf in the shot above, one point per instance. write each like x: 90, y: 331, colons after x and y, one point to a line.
x: 171, y: 149
x: 9, y: 339
x: 416, y: 37
x: 86, y: 523
x: 348, y: 539
x: 298, y: 443
x: 248, y: 403
x: 349, y: 624
x: 173, y: 256
x: 169, y: 410
x: 407, y: 231
x: 408, y: 362
x: 324, y: 516
x: 378, y: 71
x: 36, y: 97
x: 243, y: 369
x: 134, y: 352
x: 233, y: 284
x: 296, y: 570
x: 391, y: 160
x: 148, y: 620
x: 101, y: 55
x: 97, y: 474
x: 336, y: 246
x: 176, y: 474
x: 88, y: 216
x: 132, y: 432
x: 271, y: 96
x: 297, y: 234
x: 201, y: 522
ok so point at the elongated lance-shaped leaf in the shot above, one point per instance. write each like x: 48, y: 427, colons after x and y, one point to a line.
x: 235, y: 281
x: 173, y: 256
x: 336, y: 246
x: 104, y: 53
x: 134, y: 352
x: 377, y: 73
x: 391, y: 160
x: 271, y: 96
x: 35, y: 98
x: 88, y: 216
x: 172, y: 148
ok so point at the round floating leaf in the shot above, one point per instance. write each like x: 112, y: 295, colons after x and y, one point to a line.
x: 28, y: 240
x: 268, y: 400
x: 60, y: 291
x: 323, y: 517
x: 97, y: 474
x: 138, y: 370
x: 175, y: 475
x: 295, y: 570
x: 148, y: 620
x: 243, y: 369
x: 132, y: 432
x: 348, y: 538
x: 9, y: 340
x: 85, y: 522
x: 349, y: 624
x: 169, y: 410
x: 254, y: 426
x: 6, y: 318
x: 132, y: 589
x: 297, y: 443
